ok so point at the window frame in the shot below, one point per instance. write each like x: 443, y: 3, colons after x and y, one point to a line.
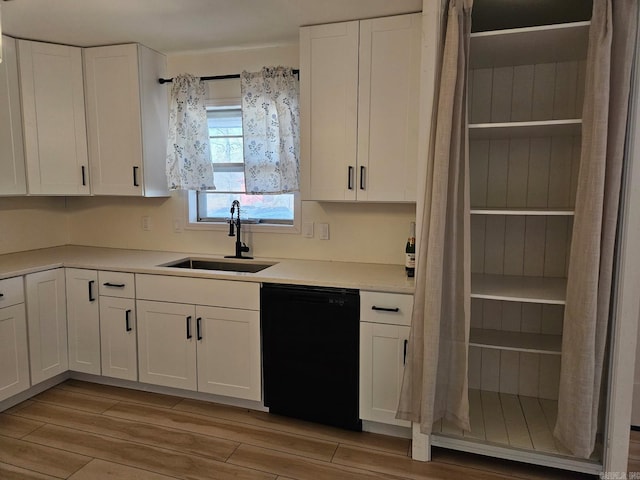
x: 191, y: 200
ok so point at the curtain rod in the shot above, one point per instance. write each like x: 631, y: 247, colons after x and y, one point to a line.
x: 216, y: 77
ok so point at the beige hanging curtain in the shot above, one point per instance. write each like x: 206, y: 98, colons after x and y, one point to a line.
x: 586, y: 319
x: 435, y: 377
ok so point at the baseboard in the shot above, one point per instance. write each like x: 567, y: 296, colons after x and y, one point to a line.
x: 176, y: 392
x: 33, y: 391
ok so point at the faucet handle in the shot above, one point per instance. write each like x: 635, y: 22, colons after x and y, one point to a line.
x: 244, y: 247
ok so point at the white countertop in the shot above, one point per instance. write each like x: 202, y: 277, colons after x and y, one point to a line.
x: 363, y: 276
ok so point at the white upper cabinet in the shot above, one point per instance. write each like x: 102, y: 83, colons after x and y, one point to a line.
x: 359, y: 89
x: 12, y: 174
x: 127, y: 118
x: 388, y: 108
x: 329, y: 110
x: 55, y: 138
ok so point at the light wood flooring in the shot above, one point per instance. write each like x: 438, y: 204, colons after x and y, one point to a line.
x: 81, y: 430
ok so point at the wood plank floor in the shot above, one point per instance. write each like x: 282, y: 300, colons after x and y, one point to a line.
x: 82, y: 431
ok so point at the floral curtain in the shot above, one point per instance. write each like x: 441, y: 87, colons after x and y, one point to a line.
x: 271, y: 129
x: 189, y: 164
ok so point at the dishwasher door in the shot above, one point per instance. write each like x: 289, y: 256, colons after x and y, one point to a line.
x: 310, y: 348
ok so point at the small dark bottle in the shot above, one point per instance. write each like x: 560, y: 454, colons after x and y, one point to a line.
x: 410, y: 251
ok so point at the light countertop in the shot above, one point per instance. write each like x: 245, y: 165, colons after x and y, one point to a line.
x: 363, y: 276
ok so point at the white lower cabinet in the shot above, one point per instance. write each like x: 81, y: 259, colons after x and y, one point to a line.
x: 83, y: 321
x: 384, y: 337
x: 212, y: 348
x: 118, y: 326
x: 228, y: 352
x: 167, y: 344
x: 14, y: 356
x: 47, y: 324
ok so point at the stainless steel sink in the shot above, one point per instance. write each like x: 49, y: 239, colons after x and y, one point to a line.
x: 223, y: 265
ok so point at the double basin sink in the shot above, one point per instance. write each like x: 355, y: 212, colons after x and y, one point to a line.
x: 229, y: 265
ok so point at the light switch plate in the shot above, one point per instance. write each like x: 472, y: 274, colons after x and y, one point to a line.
x: 307, y: 229
x: 323, y: 229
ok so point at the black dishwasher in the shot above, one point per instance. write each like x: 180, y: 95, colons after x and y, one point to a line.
x: 310, y: 352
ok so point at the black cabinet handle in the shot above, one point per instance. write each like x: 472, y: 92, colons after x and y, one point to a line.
x: 350, y: 178
x: 189, y: 327
x: 1, y: 295
x: 127, y: 320
x: 385, y: 309
x: 84, y: 178
x: 91, y: 297
x: 135, y: 177
x: 116, y: 285
x: 199, y: 328
x: 362, y: 170
x: 404, y: 360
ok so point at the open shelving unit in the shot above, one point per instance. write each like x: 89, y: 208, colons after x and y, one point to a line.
x: 526, y: 87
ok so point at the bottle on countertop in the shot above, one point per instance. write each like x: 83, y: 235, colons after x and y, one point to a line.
x: 410, y: 251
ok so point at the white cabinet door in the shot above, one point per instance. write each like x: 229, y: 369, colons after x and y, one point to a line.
x: 47, y: 324
x: 126, y: 120
x: 83, y: 321
x: 55, y: 136
x: 389, y: 88
x: 167, y: 344
x: 382, y: 358
x: 229, y: 352
x: 359, y: 109
x: 329, y: 110
x: 14, y: 357
x: 12, y: 171
x: 118, y: 344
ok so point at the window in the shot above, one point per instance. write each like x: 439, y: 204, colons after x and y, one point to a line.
x: 225, y: 136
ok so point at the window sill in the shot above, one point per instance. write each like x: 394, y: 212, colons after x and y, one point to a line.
x: 246, y: 227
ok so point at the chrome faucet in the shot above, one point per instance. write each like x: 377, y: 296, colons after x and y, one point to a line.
x: 240, y: 246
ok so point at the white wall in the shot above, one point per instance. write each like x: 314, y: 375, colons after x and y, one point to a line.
x: 373, y: 233
x: 32, y: 222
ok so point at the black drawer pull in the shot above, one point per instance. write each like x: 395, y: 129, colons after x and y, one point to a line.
x: 362, y: 170
x: 385, y: 309
x: 404, y: 359
x: 199, y: 328
x: 1, y: 295
x: 91, y: 297
x: 135, y: 177
x: 116, y: 285
x: 127, y: 320
x: 189, y: 327
x: 350, y: 178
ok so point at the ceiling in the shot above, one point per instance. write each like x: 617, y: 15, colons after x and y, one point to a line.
x: 172, y: 26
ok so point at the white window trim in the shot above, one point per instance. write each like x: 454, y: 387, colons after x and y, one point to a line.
x: 191, y: 203
x: 192, y: 223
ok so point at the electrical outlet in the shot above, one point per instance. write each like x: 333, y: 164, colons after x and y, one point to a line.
x: 177, y: 225
x: 146, y: 223
x: 323, y: 229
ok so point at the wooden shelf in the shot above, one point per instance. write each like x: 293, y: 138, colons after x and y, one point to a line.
x: 542, y: 128
x: 514, y: 427
x: 519, y: 289
x: 546, y: 212
x: 516, y: 341
x: 531, y: 45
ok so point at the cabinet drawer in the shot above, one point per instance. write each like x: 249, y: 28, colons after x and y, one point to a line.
x: 117, y: 284
x: 11, y: 291
x: 198, y: 291
x: 391, y: 308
